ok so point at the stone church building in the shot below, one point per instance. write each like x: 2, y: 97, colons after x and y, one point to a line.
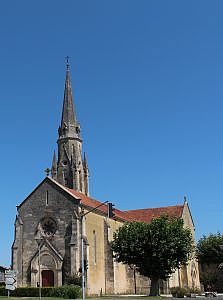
x: 48, y: 227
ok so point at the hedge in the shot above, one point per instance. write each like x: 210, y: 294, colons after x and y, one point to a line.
x: 65, y: 291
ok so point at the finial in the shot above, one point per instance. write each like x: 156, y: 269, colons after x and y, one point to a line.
x: 67, y: 62
x: 185, y: 199
x: 47, y: 171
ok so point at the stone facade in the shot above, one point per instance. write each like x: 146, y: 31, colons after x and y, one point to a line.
x: 51, y: 215
x: 47, y: 242
x: 46, y: 203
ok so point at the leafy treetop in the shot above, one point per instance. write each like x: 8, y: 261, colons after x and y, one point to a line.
x: 210, y: 249
x: 155, y: 249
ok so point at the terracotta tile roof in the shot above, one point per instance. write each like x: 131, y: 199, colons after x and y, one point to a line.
x: 92, y: 203
x: 143, y: 215
x: 147, y: 214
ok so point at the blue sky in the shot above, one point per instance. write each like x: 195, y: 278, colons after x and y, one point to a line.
x: 147, y: 80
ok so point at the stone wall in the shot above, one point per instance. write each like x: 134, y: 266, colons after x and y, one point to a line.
x: 61, y: 251
x: 46, y: 201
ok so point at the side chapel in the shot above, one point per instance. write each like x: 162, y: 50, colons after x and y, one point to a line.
x: 48, y: 223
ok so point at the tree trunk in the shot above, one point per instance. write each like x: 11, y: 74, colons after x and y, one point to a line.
x: 154, y: 289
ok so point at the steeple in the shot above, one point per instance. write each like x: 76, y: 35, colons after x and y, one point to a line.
x: 68, y: 114
x: 69, y: 126
x: 71, y: 169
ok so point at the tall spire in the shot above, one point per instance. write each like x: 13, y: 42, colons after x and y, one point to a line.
x: 68, y: 113
x: 70, y: 169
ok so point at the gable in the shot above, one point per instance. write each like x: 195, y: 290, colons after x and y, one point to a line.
x: 49, y: 182
x: 47, y: 200
x: 187, y: 217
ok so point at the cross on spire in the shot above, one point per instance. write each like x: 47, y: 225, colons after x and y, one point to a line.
x: 67, y: 62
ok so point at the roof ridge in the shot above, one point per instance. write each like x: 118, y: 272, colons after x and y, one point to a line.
x: 150, y: 208
x: 140, y: 215
x: 120, y: 214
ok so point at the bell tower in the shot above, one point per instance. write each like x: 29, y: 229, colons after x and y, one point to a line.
x: 70, y: 169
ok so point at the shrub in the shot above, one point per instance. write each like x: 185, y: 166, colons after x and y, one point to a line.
x: 68, y: 292
x: 3, y: 291
x: 178, y: 292
x: 195, y: 290
x: 74, y: 279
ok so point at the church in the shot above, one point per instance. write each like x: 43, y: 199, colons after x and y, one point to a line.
x: 47, y: 241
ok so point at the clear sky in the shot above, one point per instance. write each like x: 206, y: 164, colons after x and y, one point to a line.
x: 147, y: 80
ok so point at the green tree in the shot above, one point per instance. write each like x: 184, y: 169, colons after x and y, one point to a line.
x: 209, y: 249
x: 209, y: 278
x: 156, y: 249
x: 210, y: 256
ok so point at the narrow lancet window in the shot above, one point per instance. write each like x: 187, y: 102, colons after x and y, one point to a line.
x: 94, y: 248
x: 47, y: 198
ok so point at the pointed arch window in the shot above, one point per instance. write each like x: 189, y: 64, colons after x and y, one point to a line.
x: 47, y: 198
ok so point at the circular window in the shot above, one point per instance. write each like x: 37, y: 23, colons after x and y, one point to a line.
x: 49, y: 226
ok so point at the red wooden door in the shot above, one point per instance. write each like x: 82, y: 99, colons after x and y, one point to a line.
x: 47, y: 278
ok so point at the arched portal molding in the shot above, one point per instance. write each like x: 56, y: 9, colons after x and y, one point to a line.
x: 50, y: 259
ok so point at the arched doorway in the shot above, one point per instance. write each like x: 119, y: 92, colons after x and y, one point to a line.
x: 47, y: 278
